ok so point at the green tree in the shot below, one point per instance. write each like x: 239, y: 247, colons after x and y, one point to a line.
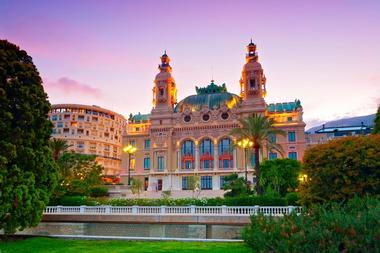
x: 258, y: 129
x: 58, y: 147
x: 78, y: 174
x: 28, y: 173
x: 235, y: 186
x: 280, y: 175
x: 342, y: 168
x: 137, y: 186
x: 376, y: 129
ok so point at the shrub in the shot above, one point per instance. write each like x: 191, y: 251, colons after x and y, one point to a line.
x: 332, y: 227
x: 72, y: 200
x: 292, y: 198
x: 342, y: 168
x: 99, y: 191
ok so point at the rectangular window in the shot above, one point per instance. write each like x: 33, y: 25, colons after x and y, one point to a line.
x: 132, y: 143
x: 80, y: 117
x: 66, y: 116
x: 146, y: 163
x: 226, y: 164
x: 80, y: 144
x: 160, y: 163
x: 291, y: 136
x: 290, y: 119
x: 66, y: 130
x: 272, y: 138
x: 292, y: 155
x: 185, y: 184
x: 272, y: 155
x: 59, y: 124
x: 222, y: 182
x: 147, y: 144
x: 54, y: 117
x: 95, y: 119
x: 80, y: 131
x: 206, y: 182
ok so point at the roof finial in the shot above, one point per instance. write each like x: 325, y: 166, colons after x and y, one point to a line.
x: 212, y: 74
x: 251, y: 40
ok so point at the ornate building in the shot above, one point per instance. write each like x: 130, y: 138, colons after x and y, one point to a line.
x: 91, y: 130
x: 190, y: 137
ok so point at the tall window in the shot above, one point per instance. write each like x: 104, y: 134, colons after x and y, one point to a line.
x: 147, y: 144
x: 252, y: 83
x: 185, y: 184
x: 225, y: 153
x: 206, y: 182
x: 292, y: 155
x: 146, y: 163
x: 161, y: 163
x: 188, y: 154
x: 291, y: 136
x: 207, y: 153
x: 222, y: 182
x: 272, y: 155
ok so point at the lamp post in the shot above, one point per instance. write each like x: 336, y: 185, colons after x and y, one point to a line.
x: 244, y: 144
x: 130, y: 150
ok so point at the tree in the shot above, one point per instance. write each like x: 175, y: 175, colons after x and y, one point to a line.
x: 342, y: 168
x: 78, y: 174
x: 137, y: 186
x: 28, y: 173
x: 58, y: 147
x: 235, y: 186
x: 280, y: 175
x: 259, y: 130
x: 376, y: 128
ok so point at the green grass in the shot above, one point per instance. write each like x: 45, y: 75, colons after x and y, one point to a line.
x: 43, y: 244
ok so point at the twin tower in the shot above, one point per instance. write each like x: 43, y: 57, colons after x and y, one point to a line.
x: 252, y: 84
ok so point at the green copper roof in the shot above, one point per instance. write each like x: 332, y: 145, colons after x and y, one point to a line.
x: 139, y: 117
x: 214, y: 96
x: 284, y: 107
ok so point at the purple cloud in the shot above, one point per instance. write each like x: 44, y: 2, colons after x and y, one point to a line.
x: 70, y: 87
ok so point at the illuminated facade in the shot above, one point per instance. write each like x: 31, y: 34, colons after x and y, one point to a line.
x: 91, y: 130
x: 177, y: 140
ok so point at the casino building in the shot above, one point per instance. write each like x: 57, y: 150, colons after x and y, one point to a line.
x: 192, y: 136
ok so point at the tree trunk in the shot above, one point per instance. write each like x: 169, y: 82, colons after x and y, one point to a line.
x: 257, y: 168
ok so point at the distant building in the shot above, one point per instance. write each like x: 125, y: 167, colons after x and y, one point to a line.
x: 91, y: 130
x: 326, y: 134
x: 192, y: 136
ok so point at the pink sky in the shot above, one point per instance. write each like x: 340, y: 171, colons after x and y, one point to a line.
x: 325, y: 53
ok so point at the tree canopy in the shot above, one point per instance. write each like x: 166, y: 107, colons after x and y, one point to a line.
x: 376, y: 129
x: 280, y: 175
x: 342, y: 168
x: 235, y: 186
x: 258, y: 129
x: 28, y: 173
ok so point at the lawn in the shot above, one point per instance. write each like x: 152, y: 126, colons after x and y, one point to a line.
x: 42, y: 245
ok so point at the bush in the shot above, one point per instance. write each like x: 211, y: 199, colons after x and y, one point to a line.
x: 342, y: 168
x: 332, y: 227
x: 99, y: 191
x: 72, y: 200
x: 292, y: 198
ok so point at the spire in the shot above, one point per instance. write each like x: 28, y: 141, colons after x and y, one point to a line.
x: 251, y: 49
x: 164, y: 61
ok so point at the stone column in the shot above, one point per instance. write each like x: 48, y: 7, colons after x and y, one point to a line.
x: 235, y: 159
x: 196, y: 150
x: 216, y: 158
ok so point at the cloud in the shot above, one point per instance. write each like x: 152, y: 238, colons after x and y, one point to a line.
x: 67, y: 86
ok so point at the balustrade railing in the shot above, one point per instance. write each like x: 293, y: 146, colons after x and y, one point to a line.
x: 175, y: 210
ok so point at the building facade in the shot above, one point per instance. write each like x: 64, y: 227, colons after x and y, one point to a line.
x: 192, y: 136
x: 91, y: 130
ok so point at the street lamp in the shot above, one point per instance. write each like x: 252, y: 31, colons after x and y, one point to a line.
x: 130, y: 150
x: 245, y: 144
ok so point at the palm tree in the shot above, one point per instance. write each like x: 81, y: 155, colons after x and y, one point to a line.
x: 58, y: 146
x: 259, y: 130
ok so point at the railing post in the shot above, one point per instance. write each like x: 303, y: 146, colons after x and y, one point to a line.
x: 134, y: 209
x: 257, y: 210
x: 162, y: 211
x: 290, y: 209
x: 224, y: 209
x: 192, y: 209
x: 59, y: 209
x: 82, y: 209
x: 108, y: 209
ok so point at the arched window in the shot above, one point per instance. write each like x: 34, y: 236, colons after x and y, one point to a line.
x: 225, y: 153
x: 188, y: 154
x: 206, y: 154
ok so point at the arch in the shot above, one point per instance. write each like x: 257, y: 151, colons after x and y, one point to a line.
x: 225, y: 152
x: 188, y: 154
x: 206, y: 151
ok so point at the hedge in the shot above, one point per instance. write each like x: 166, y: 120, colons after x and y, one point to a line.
x: 236, y: 201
